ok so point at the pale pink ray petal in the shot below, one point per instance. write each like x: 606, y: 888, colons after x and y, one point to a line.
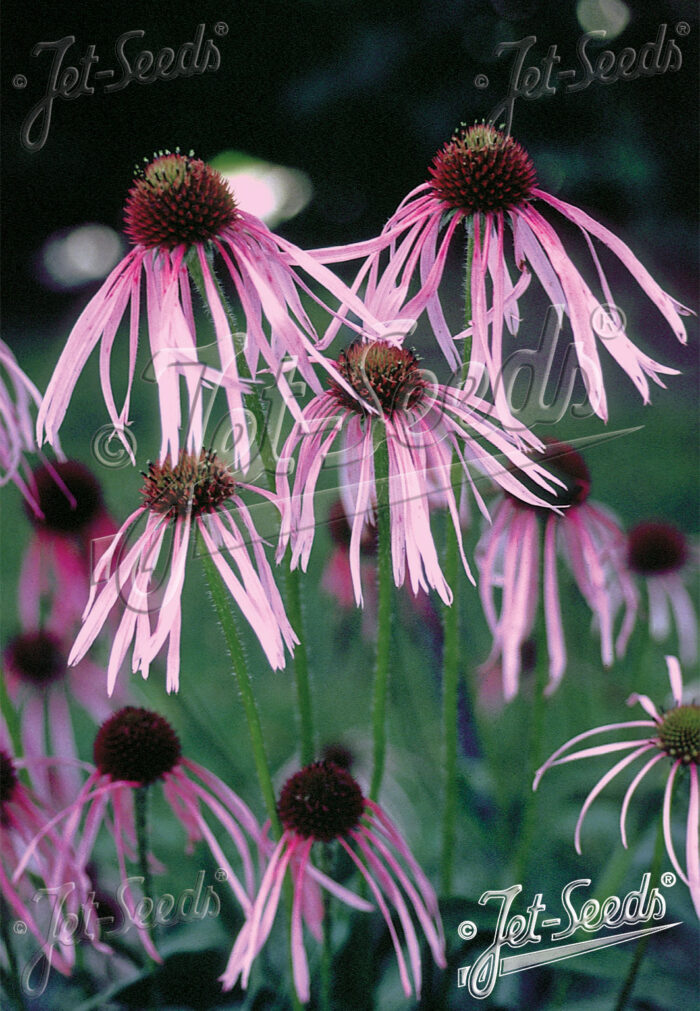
x: 390, y: 889
x: 676, y: 679
x: 647, y: 705
x: 403, y: 971
x: 600, y: 786
x: 632, y: 787
x: 666, y: 816
x: 668, y: 306
x: 684, y: 614
x: 692, y: 855
x: 300, y: 965
x: 556, y: 645
x: 554, y: 758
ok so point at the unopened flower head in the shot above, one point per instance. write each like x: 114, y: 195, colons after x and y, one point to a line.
x: 508, y: 555
x: 322, y: 803
x: 483, y: 180
x: 135, y: 749
x: 426, y: 425
x: 669, y: 734
x: 660, y: 555
x: 179, y: 214
x: 198, y: 494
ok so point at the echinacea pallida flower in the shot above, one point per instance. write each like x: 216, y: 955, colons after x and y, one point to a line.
x: 426, y: 425
x: 41, y: 685
x: 18, y: 395
x: 180, y: 207
x: 72, y: 526
x: 672, y: 734
x: 190, y: 497
x: 22, y: 819
x: 484, y: 179
x: 322, y: 803
x: 659, y: 553
x: 136, y: 748
x: 508, y: 556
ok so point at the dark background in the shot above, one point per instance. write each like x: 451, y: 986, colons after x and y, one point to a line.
x: 358, y: 95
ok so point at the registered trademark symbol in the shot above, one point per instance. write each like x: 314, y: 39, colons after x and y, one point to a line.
x: 683, y: 28
x: 220, y: 874
x: 19, y: 927
x: 221, y: 28
x: 481, y: 81
x: 608, y: 320
x: 668, y: 879
x: 467, y: 930
x: 19, y: 81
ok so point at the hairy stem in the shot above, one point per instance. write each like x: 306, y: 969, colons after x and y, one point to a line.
x: 384, y: 597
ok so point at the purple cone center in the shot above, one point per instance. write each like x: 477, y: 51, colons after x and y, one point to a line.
x: 321, y: 802
x: 136, y: 744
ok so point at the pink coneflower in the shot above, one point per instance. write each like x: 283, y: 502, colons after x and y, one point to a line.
x: 22, y: 818
x: 40, y: 684
x: 508, y: 556
x: 660, y: 554
x: 18, y: 395
x: 426, y: 426
x: 676, y: 735
x: 178, y: 213
x: 482, y: 178
x: 68, y: 537
x: 133, y: 749
x: 186, y: 498
x: 321, y: 804
x: 336, y: 579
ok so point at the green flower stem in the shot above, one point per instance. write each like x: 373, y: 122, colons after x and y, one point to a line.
x: 326, y: 952
x: 141, y: 825
x: 535, y: 760
x: 450, y: 684
x: 467, y: 350
x: 254, y: 401
x: 142, y: 836
x: 301, y: 667
x: 450, y: 629
x: 384, y: 598
x: 640, y: 950
x: 220, y: 598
